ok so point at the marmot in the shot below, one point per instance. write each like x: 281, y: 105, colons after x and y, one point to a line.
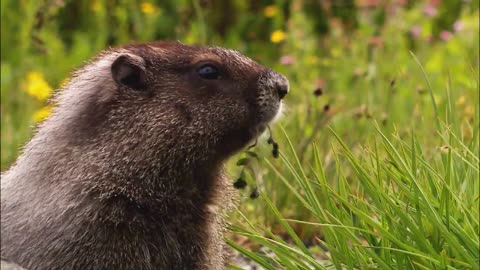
x: 127, y: 172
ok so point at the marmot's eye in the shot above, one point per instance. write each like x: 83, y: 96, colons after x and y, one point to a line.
x: 209, y: 72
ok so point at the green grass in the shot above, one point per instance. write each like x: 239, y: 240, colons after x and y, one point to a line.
x: 404, y: 211
x: 388, y: 177
x: 384, y: 177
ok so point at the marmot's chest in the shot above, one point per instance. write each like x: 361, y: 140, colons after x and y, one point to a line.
x: 108, y: 238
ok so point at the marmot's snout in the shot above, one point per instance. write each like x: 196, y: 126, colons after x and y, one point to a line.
x: 273, y: 87
x: 281, y: 85
x: 274, y: 82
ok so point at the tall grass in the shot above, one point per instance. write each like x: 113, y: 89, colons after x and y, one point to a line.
x: 392, y: 204
x: 408, y: 211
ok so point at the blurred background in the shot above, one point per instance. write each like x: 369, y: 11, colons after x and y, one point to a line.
x: 350, y: 63
x: 43, y: 41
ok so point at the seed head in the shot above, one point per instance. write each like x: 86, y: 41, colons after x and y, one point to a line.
x: 318, y: 92
x: 254, y: 193
x: 240, y: 184
x: 326, y: 108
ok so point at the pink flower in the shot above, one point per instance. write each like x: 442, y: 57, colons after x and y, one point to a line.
x: 457, y: 26
x: 446, y: 35
x: 415, y: 31
x: 287, y: 60
x: 376, y: 41
x: 369, y: 3
x: 430, y: 10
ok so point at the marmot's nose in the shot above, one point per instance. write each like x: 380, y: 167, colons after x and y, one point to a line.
x: 275, y: 82
x: 281, y: 85
x: 282, y: 90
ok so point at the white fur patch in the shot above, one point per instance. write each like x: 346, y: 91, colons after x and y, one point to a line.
x: 280, y: 112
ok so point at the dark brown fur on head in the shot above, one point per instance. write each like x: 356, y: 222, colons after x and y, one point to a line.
x: 127, y: 171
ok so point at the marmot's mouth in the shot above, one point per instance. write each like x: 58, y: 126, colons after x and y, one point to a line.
x: 239, y: 138
x: 265, y: 117
x: 269, y: 113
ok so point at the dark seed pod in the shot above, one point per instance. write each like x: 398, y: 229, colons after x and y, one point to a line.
x: 318, y: 92
x: 326, y: 108
x: 270, y: 140
x: 275, y: 152
x: 392, y: 82
x: 240, y: 184
x: 384, y: 120
x: 254, y: 193
x: 421, y: 90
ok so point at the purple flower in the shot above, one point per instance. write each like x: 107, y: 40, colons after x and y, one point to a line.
x: 287, y: 60
x: 457, y: 26
x: 430, y: 10
x: 415, y: 31
x: 446, y: 35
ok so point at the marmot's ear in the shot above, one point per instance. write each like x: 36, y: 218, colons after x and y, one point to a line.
x: 129, y: 70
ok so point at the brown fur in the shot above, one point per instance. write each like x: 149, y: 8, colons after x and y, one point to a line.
x: 120, y: 178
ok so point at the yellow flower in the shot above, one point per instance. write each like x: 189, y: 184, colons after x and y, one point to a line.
x: 96, y: 6
x: 335, y: 52
x: 312, y: 60
x: 147, y: 8
x: 444, y: 149
x: 41, y: 114
x: 467, y: 132
x: 277, y: 36
x: 469, y: 111
x: 461, y: 101
x: 37, y: 86
x: 326, y: 62
x: 270, y: 11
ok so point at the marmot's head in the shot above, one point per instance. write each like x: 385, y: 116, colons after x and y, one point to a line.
x: 162, y: 98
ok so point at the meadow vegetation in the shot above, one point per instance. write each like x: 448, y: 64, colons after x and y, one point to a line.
x: 378, y: 165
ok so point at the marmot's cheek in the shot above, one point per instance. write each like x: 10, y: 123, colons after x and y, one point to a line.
x: 184, y: 112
